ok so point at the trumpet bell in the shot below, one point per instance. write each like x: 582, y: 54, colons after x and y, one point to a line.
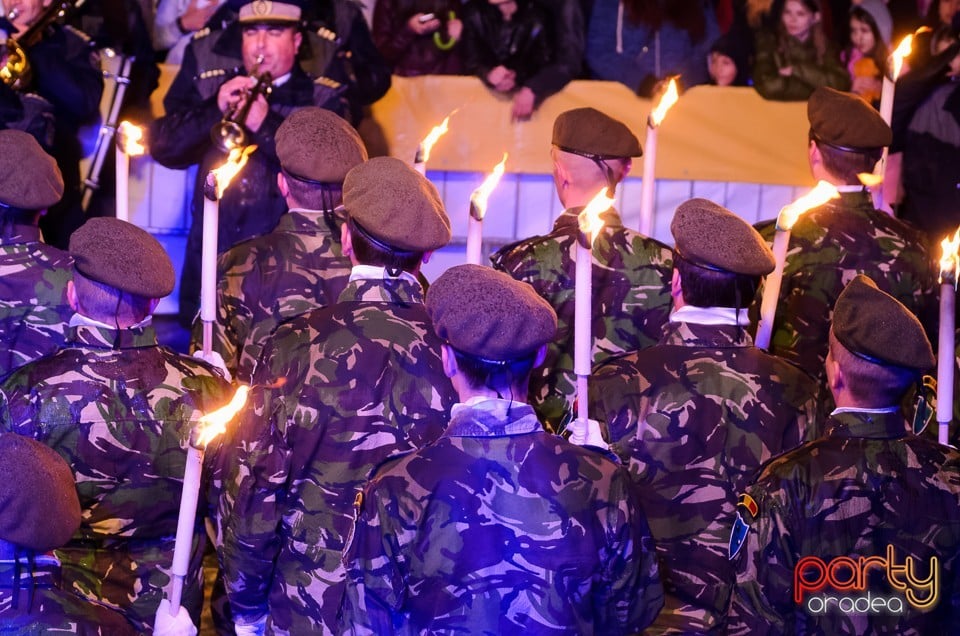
x: 16, y: 72
x: 228, y: 135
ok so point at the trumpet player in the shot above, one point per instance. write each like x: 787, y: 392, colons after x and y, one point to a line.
x: 244, y: 78
x: 63, y: 70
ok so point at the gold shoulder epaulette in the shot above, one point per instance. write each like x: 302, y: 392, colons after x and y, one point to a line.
x: 202, y: 33
x: 326, y: 34
x: 323, y: 80
x: 214, y: 72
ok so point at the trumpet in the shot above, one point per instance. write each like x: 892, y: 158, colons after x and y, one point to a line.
x: 229, y: 132
x: 16, y: 73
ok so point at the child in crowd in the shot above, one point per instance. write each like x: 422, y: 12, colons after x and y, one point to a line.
x: 729, y: 61
x: 797, y: 57
x: 866, y: 57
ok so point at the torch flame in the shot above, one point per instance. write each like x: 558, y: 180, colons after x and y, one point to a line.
x: 213, y: 424
x: 903, y: 50
x: 435, y: 134
x: 948, y: 261
x: 235, y: 163
x: 870, y: 179
x: 668, y: 99
x: 481, y: 195
x: 820, y: 194
x: 129, y: 137
x: 589, y: 219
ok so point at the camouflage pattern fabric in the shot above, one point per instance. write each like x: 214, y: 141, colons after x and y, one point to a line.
x: 262, y: 282
x: 40, y: 607
x: 500, y: 528
x: 829, y: 246
x: 693, y: 418
x: 337, y: 391
x: 33, y: 297
x: 865, y: 486
x: 119, y: 409
x: 631, y: 299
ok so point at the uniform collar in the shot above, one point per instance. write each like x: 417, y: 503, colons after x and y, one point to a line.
x: 569, y: 219
x: 373, y: 284
x: 691, y: 334
x: 20, y: 233
x: 304, y: 221
x: 84, y: 332
x: 867, y: 423
x: 492, y: 417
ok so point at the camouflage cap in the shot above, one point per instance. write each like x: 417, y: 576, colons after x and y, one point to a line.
x: 845, y: 121
x: 588, y: 132
x: 123, y: 256
x: 488, y: 314
x: 267, y: 12
x: 875, y: 326
x: 396, y: 205
x: 710, y: 235
x: 317, y: 145
x: 29, y: 177
x: 39, y: 508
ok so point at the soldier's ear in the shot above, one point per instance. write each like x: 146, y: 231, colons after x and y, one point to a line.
x: 72, y: 296
x: 450, y: 367
x: 541, y: 356
x: 282, y: 185
x: 346, y: 240
x: 676, y: 287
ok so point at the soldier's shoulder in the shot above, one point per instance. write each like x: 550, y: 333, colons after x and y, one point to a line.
x: 524, y: 250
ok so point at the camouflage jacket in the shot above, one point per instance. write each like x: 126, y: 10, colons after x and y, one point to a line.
x: 866, y: 490
x: 498, y: 528
x: 119, y: 409
x: 297, y: 267
x: 33, y: 297
x: 693, y: 418
x: 39, y: 606
x: 338, y: 390
x: 828, y: 247
x: 631, y: 299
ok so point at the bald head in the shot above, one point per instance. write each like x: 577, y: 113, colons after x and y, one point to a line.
x: 578, y: 178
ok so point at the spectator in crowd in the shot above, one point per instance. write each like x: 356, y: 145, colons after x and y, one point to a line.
x: 419, y: 37
x: 926, y: 124
x: 728, y: 61
x: 796, y: 57
x: 176, y: 23
x: 640, y: 43
x: 511, y: 47
x: 866, y: 56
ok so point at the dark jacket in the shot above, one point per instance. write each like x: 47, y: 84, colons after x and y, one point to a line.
x: 537, y: 43
x: 411, y: 54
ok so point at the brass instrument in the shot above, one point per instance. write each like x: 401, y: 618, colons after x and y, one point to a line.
x: 229, y: 132
x: 16, y: 73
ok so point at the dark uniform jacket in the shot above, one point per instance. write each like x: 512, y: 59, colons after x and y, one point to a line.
x: 411, y: 54
x: 808, y: 72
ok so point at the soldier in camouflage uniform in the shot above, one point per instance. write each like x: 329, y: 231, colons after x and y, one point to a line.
x: 833, y: 243
x: 119, y: 408
x: 631, y: 272
x: 300, y: 265
x: 39, y: 511
x: 695, y: 416
x: 33, y: 298
x: 499, y: 526
x: 867, y: 490
x: 337, y: 390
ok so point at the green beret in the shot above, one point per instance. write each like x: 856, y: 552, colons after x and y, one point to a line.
x: 710, y: 235
x: 396, y: 205
x: 845, y: 121
x: 315, y: 144
x: 875, y: 326
x: 29, y: 177
x: 588, y: 132
x: 123, y: 256
x: 39, y: 508
x: 485, y: 313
